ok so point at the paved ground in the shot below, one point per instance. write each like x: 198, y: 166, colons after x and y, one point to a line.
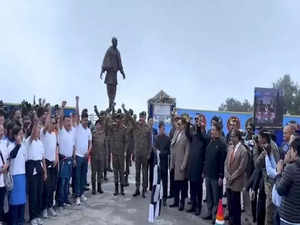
x: 126, y: 210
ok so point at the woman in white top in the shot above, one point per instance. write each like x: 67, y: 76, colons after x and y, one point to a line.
x: 17, y: 158
x: 3, y: 169
x: 49, y: 140
x: 36, y: 173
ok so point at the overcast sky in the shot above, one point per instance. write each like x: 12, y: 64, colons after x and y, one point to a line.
x: 200, y: 52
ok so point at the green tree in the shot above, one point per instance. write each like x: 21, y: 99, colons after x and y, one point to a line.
x: 291, y: 94
x: 235, y: 105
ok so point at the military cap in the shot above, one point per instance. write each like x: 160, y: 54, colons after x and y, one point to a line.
x: 143, y: 114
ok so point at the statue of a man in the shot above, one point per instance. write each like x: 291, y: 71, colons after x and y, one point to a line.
x: 112, y: 63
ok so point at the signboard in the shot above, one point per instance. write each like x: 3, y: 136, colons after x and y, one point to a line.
x: 268, y: 108
x: 162, y: 112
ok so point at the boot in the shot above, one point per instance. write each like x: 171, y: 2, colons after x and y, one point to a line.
x: 105, y: 175
x: 122, y: 190
x: 143, y: 193
x: 100, y: 188
x: 93, y: 188
x: 181, y: 206
x: 126, y: 181
x: 116, y: 190
x: 136, y: 193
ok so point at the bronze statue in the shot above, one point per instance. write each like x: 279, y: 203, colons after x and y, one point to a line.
x: 112, y: 63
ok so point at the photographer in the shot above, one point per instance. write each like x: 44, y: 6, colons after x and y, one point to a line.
x: 269, y: 149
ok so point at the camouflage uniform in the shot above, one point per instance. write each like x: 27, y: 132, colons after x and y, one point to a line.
x: 129, y: 149
x: 98, y: 158
x: 118, y: 145
x: 142, y: 150
x: 107, y: 125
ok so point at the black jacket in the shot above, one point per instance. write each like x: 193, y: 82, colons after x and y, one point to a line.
x: 198, y: 144
x: 288, y: 186
x: 162, y: 143
x: 215, y: 156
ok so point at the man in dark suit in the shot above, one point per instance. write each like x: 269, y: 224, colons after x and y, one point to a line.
x: 198, y: 142
x: 235, y: 166
x: 162, y: 143
x: 151, y: 160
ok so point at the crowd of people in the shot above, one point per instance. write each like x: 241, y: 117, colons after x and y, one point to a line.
x: 247, y: 171
x: 41, y: 149
x: 45, y: 154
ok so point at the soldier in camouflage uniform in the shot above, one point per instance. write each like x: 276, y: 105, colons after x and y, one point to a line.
x: 130, y: 142
x: 98, y: 156
x: 142, y: 150
x: 118, y: 145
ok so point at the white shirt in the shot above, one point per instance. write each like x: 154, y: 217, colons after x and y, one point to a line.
x: 35, y: 150
x: 4, y: 152
x: 66, y: 142
x: 49, y: 141
x: 17, y: 165
x: 82, y: 138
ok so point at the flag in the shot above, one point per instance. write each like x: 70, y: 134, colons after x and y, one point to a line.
x: 157, y: 191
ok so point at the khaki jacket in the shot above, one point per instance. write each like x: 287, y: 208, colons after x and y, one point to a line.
x: 235, y: 169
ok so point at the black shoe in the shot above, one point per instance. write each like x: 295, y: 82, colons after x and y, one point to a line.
x: 174, y: 205
x: 116, y: 190
x: 100, y: 191
x: 170, y: 196
x: 207, y: 217
x: 86, y: 189
x: 136, y: 193
x: 181, y: 207
x: 122, y: 190
x: 93, y: 189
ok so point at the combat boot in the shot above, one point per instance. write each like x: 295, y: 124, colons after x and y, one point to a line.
x: 100, y: 188
x: 143, y: 193
x: 122, y: 190
x: 116, y: 190
x: 93, y: 188
x: 136, y: 193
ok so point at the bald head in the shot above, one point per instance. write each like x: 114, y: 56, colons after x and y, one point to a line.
x: 287, y: 132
